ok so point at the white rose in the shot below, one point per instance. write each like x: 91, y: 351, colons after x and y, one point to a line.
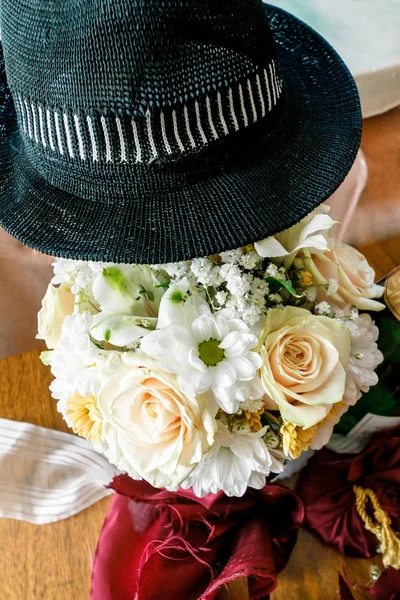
x: 355, y: 277
x: 304, y: 364
x: 310, y: 232
x: 149, y: 425
x: 57, y: 304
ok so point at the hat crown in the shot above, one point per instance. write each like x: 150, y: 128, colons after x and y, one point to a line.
x: 99, y: 82
x: 130, y: 56
x: 149, y: 131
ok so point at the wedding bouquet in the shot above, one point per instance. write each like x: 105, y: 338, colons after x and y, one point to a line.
x: 212, y: 373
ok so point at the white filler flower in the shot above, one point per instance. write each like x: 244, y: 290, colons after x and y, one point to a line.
x: 236, y: 461
x: 364, y: 358
x: 75, y: 360
x: 205, y: 350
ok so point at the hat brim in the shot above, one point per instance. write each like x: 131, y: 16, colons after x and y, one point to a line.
x: 297, y: 166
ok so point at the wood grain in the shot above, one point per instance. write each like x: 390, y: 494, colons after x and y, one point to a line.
x: 25, y: 275
x: 383, y: 256
x: 377, y: 215
x: 312, y: 572
x: 43, y: 562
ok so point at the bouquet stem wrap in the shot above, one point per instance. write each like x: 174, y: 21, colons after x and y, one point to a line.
x: 158, y: 544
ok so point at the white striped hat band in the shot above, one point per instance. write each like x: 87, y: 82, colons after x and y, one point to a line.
x: 167, y: 134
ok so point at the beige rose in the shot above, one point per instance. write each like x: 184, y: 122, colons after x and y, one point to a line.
x: 304, y: 364
x: 152, y: 429
x: 392, y: 293
x: 57, y: 304
x: 355, y: 277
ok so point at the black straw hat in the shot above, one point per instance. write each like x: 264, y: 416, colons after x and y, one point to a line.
x: 160, y: 130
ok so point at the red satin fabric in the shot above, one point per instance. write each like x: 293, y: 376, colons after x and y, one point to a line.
x: 388, y: 586
x: 344, y: 590
x: 174, y: 546
x: 326, y: 487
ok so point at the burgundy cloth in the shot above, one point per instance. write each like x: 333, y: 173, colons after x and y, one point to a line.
x: 388, y: 586
x: 344, y: 590
x: 326, y: 487
x: 157, y: 544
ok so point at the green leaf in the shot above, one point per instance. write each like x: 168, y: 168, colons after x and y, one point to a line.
x: 285, y: 283
x: 165, y: 285
x: 389, y: 336
x: 380, y: 400
x: 272, y: 422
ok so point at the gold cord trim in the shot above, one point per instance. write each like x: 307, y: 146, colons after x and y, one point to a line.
x: 379, y: 525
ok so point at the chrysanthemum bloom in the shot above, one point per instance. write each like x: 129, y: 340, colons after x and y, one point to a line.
x: 84, y: 418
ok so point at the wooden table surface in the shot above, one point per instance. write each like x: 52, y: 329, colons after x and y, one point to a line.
x: 53, y: 562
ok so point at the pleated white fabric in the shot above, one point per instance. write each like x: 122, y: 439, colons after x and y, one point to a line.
x: 48, y: 475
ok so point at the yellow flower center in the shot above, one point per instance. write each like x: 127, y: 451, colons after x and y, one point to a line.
x: 244, y: 419
x: 253, y: 420
x: 296, y: 440
x: 210, y: 352
x: 84, y: 417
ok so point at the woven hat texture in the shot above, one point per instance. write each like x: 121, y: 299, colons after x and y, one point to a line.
x: 158, y: 130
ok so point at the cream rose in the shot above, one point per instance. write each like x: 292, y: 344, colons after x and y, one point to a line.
x: 57, y: 304
x: 354, y: 275
x: 152, y: 429
x: 304, y: 364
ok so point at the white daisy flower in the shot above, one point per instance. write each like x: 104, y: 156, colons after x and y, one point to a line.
x: 235, y: 462
x: 205, y: 350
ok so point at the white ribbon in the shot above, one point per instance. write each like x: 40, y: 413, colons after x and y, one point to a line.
x: 48, y: 475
